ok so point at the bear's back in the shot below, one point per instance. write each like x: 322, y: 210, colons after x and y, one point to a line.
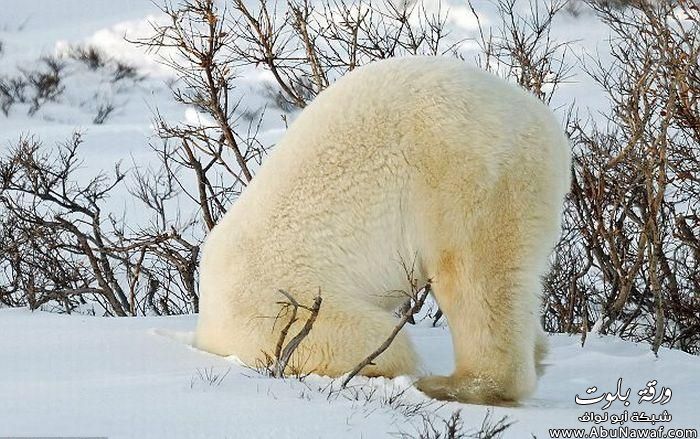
x: 435, y: 110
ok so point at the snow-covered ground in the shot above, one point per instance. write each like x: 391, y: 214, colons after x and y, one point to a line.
x: 137, y: 377
x: 64, y: 375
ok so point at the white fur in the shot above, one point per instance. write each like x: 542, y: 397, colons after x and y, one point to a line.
x: 414, y: 158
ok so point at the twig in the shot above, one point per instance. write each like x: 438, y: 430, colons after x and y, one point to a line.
x: 282, y: 356
x: 420, y: 297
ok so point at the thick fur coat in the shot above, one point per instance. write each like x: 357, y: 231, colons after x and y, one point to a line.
x: 422, y: 160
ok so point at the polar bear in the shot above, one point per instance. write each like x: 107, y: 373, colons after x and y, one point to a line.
x: 420, y: 159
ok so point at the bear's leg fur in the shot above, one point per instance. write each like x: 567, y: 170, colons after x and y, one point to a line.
x: 487, y: 287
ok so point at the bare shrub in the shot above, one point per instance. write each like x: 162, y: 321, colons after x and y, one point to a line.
x: 90, y: 56
x: 522, y: 49
x: 104, y: 110
x: 12, y: 91
x: 124, y: 71
x: 367, y: 396
x: 46, y: 83
x: 311, y: 45
x: 59, y: 250
x: 215, y: 152
x: 434, y: 427
x: 35, y: 87
x: 628, y: 260
x: 95, y: 59
x: 209, y: 377
x: 60, y: 246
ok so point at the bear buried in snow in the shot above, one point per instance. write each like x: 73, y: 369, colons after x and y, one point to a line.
x: 421, y: 159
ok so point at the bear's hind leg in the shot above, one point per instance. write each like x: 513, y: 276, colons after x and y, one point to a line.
x: 487, y: 289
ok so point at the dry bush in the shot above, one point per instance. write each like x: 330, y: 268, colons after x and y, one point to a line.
x: 12, y: 91
x: 310, y: 45
x: 61, y: 246
x: 33, y: 86
x: 216, y: 153
x: 627, y: 263
x: 209, y: 377
x: 95, y: 59
x: 434, y: 427
x: 104, y: 110
x: 45, y: 82
x: 89, y: 55
x: 57, y: 249
x: 521, y: 48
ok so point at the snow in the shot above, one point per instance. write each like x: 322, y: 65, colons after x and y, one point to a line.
x: 74, y: 375
x: 138, y: 377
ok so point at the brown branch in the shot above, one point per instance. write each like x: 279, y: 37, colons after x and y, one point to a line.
x: 419, y: 300
x: 283, y: 355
